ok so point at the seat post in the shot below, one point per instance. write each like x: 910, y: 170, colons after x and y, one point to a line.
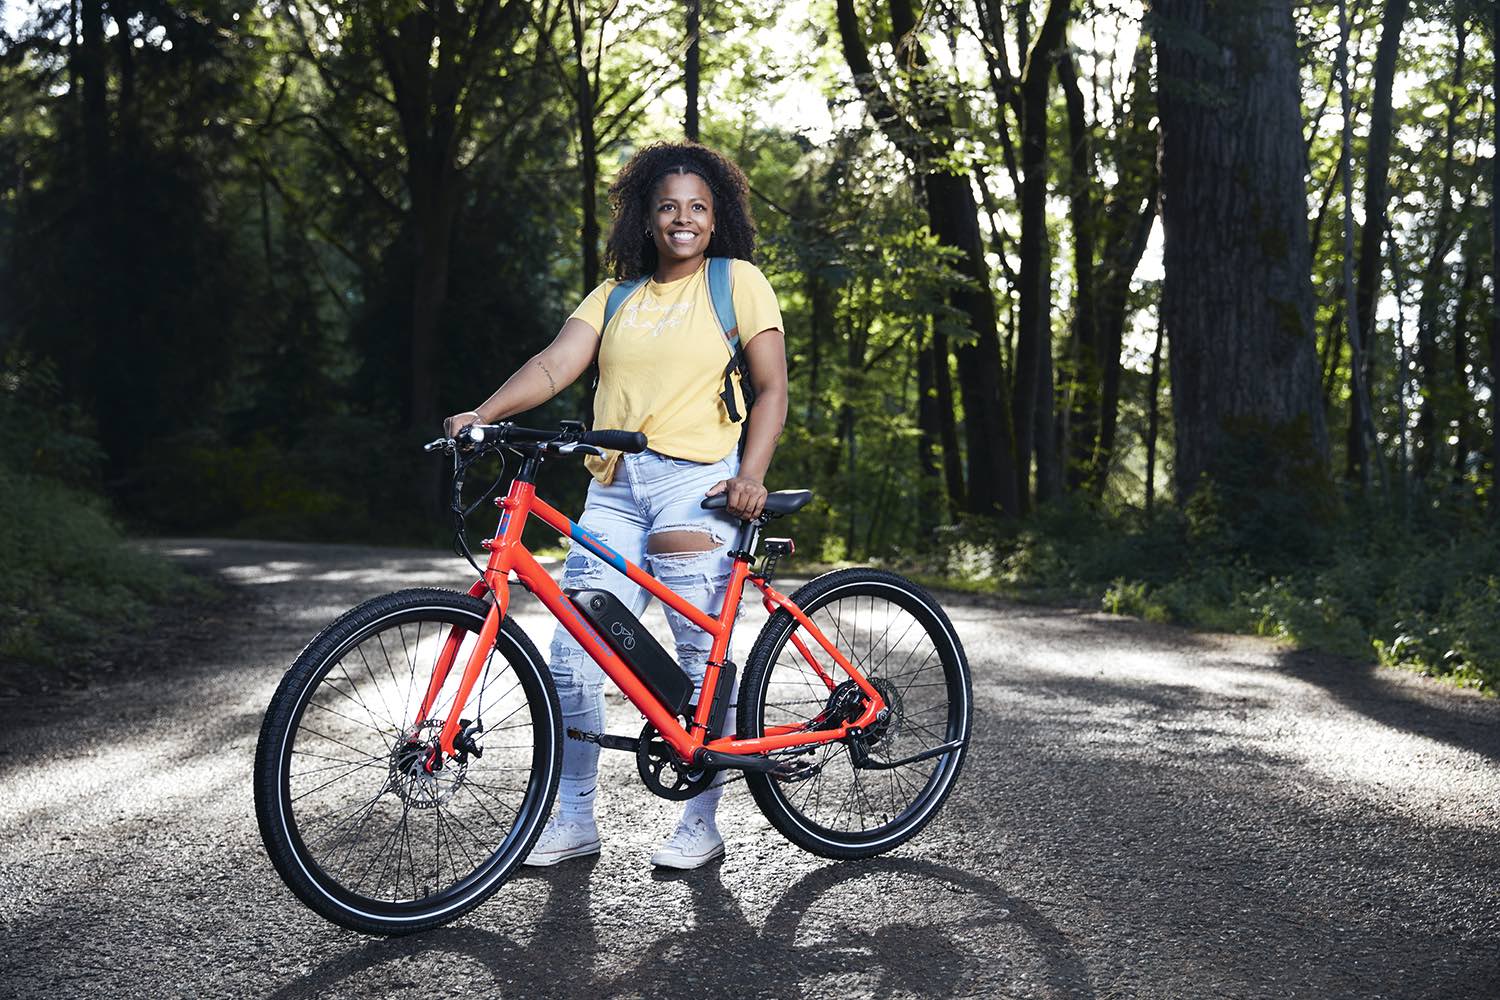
x: 746, y: 540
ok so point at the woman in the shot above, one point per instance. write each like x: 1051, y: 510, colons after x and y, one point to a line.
x: 662, y: 359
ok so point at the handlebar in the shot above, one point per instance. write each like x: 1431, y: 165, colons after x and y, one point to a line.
x: 571, y: 437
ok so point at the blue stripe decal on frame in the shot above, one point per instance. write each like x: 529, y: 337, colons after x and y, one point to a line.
x: 594, y: 545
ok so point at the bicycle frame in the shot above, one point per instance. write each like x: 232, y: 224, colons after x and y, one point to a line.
x: 508, y: 554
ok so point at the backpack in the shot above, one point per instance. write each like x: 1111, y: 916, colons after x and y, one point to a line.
x: 721, y: 296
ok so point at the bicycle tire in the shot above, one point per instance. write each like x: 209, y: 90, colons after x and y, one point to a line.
x: 843, y: 810
x: 365, y: 848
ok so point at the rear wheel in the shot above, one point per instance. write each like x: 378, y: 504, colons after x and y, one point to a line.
x: 848, y: 800
x: 360, y: 825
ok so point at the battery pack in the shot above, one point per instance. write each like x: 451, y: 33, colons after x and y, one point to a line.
x: 629, y: 639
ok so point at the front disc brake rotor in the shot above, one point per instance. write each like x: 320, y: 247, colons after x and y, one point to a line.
x: 412, y: 776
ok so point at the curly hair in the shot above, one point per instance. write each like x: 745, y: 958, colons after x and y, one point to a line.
x: 628, y: 253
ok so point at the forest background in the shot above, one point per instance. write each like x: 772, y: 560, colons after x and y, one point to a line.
x: 1186, y: 310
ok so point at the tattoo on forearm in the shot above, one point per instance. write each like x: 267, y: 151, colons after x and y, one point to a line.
x: 550, y: 381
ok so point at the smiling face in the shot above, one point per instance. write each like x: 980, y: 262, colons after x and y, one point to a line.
x: 681, y: 213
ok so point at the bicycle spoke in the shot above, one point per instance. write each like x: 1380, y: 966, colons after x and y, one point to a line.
x: 338, y: 777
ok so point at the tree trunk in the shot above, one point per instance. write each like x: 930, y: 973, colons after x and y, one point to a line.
x: 1377, y: 166
x: 929, y: 485
x: 1083, y: 372
x: 1237, y: 302
x: 91, y: 70
x: 690, y: 72
x: 1034, y: 335
x: 927, y: 424
x: 953, y: 216
x: 1434, y: 279
x: 93, y: 367
x: 433, y: 216
x: 1114, y: 301
x: 953, y: 470
x: 1129, y: 216
x: 428, y: 93
x: 1495, y: 269
x: 1463, y: 400
x: 953, y: 219
x: 584, y: 110
x: 1050, y: 474
x: 1153, y: 420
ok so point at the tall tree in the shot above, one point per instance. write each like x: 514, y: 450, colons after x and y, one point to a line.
x: 1361, y: 425
x: 954, y: 220
x: 690, y: 71
x: 607, y: 104
x: 1377, y: 197
x: 437, y: 77
x: 1435, y: 273
x: 1495, y: 261
x: 1034, y: 334
x: 1237, y: 303
x: 1111, y: 226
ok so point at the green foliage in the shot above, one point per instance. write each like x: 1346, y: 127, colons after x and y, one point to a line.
x: 41, y: 433
x: 71, y: 580
x: 1421, y: 594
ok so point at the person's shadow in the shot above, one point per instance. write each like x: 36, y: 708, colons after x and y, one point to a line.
x: 881, y: 928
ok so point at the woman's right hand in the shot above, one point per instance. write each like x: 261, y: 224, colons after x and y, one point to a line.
x: 458, y: 422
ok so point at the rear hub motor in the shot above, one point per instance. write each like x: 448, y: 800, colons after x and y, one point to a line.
x: 887, y: 726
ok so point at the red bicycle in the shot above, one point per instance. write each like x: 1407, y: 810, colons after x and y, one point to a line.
x: 411, y: 753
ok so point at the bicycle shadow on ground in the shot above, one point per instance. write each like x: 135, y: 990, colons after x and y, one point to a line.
x: 888, y: 928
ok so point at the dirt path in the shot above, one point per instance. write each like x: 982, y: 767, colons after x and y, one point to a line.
x: 1147, y: 812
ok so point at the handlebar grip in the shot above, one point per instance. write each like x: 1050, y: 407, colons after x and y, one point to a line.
x: 716, y: 502
x: 631, y: 441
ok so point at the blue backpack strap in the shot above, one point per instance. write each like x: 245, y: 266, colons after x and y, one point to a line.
x: 617, y: 297
x: 721, y: 294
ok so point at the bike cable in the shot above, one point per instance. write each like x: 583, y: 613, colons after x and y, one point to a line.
x: 460, y: 512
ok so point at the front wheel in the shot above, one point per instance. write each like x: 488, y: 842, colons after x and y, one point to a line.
x: 854, y: 801
x: 359, y: 824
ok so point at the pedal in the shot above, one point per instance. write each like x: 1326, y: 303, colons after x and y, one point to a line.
x: 605, y: 740
x: 795, y: 770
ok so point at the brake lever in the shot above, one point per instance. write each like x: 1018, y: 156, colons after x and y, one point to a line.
x: 575, y: 446
x: 445, y: 444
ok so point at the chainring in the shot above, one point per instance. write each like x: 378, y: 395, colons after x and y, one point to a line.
x: 661, y: 771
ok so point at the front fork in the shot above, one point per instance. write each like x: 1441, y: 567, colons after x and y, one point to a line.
x: 481, y: 653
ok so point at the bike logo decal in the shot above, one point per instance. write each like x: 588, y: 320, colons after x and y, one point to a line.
x: 627, y: 637
x: 594, y: 545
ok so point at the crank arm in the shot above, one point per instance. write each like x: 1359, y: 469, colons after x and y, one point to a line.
x: 605, y: 740
x: 863, y: 759
x: 737, y: 761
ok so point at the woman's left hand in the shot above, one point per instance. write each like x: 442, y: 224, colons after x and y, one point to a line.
x: 747, y: 496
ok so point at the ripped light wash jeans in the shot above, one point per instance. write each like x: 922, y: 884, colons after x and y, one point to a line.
x: 651, y: 493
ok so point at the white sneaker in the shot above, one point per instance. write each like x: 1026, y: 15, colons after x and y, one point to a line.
x: 564, y: 838
x: 693, y: 844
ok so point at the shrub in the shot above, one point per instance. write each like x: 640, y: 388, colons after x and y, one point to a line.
x: 71, y: 580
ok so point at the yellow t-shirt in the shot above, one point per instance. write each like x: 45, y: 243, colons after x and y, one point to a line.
x: 661, y: 363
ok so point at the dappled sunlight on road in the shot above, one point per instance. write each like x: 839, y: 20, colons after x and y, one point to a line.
x: 1135, y: 685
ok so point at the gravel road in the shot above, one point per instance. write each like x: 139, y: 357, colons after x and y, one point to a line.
x: 1146, y: 812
